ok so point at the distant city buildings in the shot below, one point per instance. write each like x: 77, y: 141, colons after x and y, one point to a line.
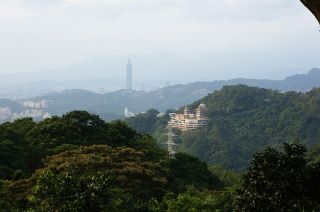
x: 128, y: 113
x: 5, y: 113
x: 161, y: 115
x: 42, y: 104
x: 188, y: 120
x: 129, y: 75
x: 32, y: 109
x: 46, y: 115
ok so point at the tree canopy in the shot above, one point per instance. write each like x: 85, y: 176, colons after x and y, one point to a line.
x: 280, y: 181
x: 78, y: 162
x: 242, y: 121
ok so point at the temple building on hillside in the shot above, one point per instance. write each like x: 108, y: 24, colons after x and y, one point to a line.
x: 187, y: 120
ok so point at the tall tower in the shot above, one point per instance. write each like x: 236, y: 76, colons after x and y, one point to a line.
x: 171, y: 144
x: 129, y: 75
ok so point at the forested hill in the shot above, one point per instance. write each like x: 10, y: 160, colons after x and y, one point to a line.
x: 111, y: 105
x: 244, y: 120
x: 78, y: 162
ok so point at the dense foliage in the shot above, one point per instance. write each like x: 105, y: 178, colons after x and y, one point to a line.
x: 24, y: 143
x: 280, y: 181
x: 147, y: 122
x: 78, y: 162
x: 244, y: 120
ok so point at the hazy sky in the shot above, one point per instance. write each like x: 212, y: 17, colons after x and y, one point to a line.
x: 240, y: 38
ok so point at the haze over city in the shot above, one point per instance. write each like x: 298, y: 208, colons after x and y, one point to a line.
x: 171, y: 40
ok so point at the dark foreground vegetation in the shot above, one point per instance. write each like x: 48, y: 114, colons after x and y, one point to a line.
x: 78, y: 162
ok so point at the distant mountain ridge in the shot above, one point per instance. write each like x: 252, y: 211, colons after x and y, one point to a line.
x: 297, y: 82
x: 111, y: 105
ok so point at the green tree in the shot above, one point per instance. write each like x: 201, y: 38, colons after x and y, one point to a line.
x: 88, y: 192
x: 193, y: 200
x: 11, y: 159
x: 186, y: 170
x: 147, y: 122
x: 76, y: 127
x: 80, y: 177
x: 229, y: 178
x: 280, y: 181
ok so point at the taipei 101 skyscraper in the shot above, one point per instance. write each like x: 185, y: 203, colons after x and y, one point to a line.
x: 129, y: 75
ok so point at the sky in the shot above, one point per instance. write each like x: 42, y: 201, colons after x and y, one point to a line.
x: 204, y: 39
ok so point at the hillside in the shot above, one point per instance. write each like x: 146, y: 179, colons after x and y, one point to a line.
x: 13, y: 105
x: 111, y: 105
x: 166, y: 98
x: 115, y: 102
x: 244, y: 120
x: 78, y: 162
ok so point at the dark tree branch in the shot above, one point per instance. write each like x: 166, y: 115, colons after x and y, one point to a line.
x: 313, y: 6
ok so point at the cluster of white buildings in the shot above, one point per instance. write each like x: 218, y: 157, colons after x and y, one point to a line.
x: 42, y: 104
x: 187, y: 120
x: 128, y: 113
x: 35, y: 114
x: 7, y: 115
x: 32, y: 109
